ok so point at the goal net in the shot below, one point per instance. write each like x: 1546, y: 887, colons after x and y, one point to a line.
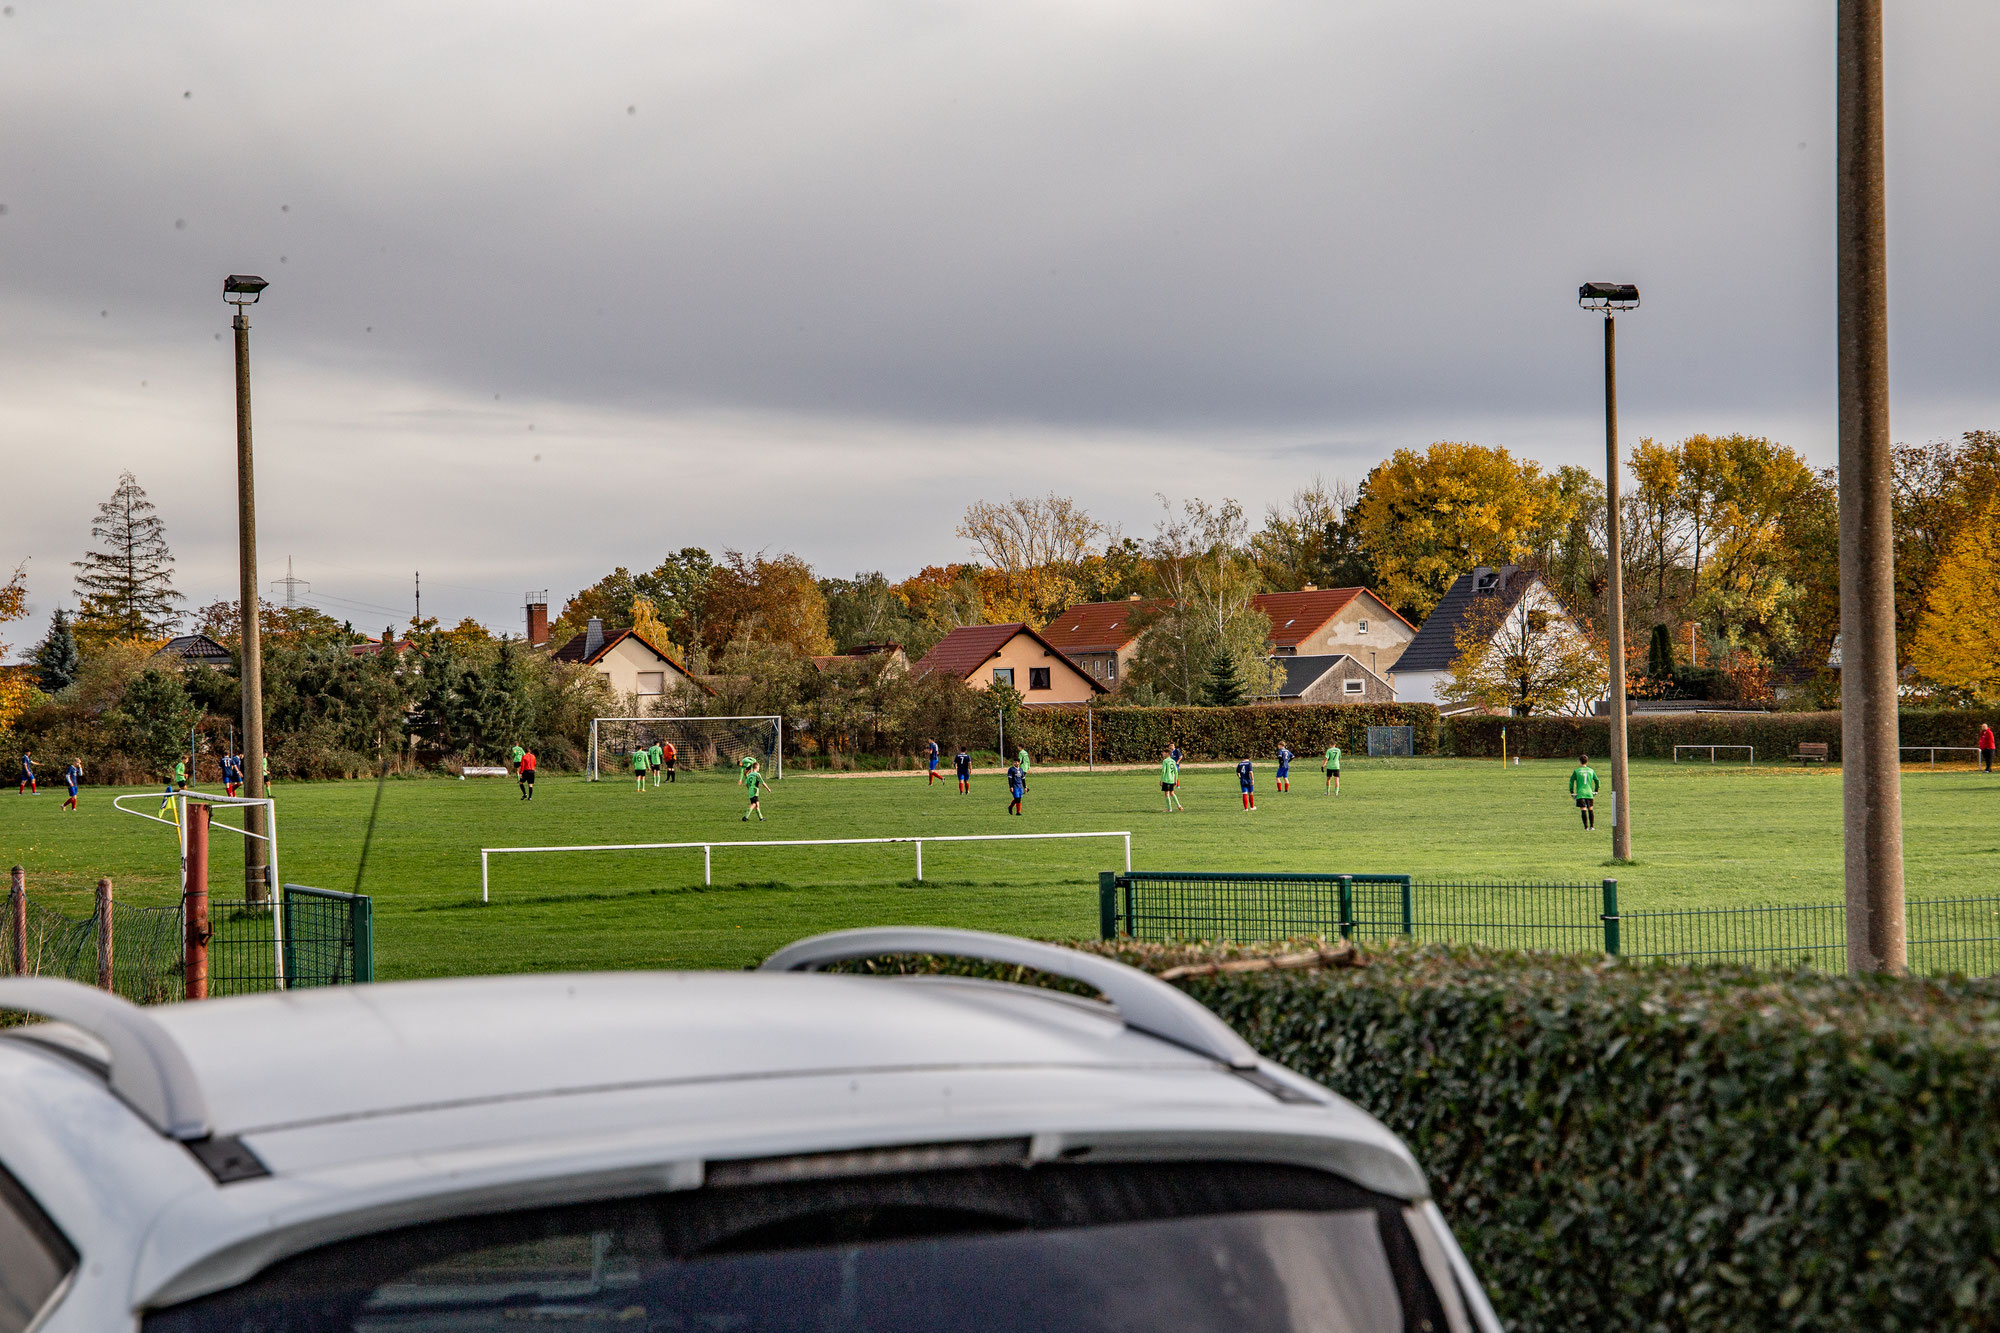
x: 699, y: 742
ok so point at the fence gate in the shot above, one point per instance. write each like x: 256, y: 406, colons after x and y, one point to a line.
x: 1392, y: 742
x: 329, y: 937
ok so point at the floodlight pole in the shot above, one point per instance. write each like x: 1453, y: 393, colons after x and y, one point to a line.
x: 254, y: 886
x: 1614, y: 554
x: 1871, y: 780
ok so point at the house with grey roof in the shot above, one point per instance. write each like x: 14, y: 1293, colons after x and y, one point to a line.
x: 1331, y: 678
x: 1488, y: 594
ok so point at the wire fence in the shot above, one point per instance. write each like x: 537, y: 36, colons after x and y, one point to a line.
x: 329, y: 941
x: 1957, y: 935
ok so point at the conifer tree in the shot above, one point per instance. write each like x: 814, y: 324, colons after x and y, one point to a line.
x: 1660, y: 655
x: 127, y: 587
x: 56, y: 659
x: 1224, y: 687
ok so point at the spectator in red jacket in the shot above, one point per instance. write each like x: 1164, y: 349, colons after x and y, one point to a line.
x: 1986, y: 746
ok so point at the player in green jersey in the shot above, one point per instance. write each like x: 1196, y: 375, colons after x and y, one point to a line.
x: 754, y: 780
x: 657, y: 759
x: 1170, y: 780
x: 514, y: 758
x: 743, y: 767
x: 1332, y: 770
x: 1583, y: 786
x: 642, y: 759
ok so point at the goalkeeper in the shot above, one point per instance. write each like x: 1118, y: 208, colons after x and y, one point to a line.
x: 669, y: 754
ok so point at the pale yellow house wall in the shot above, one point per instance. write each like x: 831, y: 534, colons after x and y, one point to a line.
x: 1023, y: 652
x: 625, y: 664
x: 1377, y: 650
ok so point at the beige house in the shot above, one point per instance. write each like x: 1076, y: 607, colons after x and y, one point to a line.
x: 987, y: 655
x: 633, y: 667
x: 1335, y: 678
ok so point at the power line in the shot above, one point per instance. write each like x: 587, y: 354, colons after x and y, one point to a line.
x: 290, y: 584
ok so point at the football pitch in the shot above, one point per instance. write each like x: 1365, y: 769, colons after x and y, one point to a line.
x: 1705, y: 837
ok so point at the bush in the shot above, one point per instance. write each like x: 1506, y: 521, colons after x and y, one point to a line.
x: 1061, y: 734
x: 1637, y: 1146
x: 1654, y: 736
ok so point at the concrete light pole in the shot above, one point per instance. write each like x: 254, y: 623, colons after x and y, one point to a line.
x: 1607, y: 298
x: 1870, y: 776
x: 242, y: 290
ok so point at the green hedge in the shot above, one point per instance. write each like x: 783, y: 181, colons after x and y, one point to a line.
x: 1654, y: 736
x: 1644, y: 1147
x: 1060, y: 734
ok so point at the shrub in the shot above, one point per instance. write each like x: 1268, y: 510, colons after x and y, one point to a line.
x: 1062, y: 734
x: 1654, y: 736
x: 1638, y: 1146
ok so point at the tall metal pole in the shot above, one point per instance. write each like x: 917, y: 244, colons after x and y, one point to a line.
x: 1871, y: 780
x: 1614, y: 554
x: 254, y: 887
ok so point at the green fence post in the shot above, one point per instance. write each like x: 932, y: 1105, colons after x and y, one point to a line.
x: 364, y: 938
x: 284, y: 904
x: 1409, y: 908
x: 1107, y: 905
x: 1611, y: 917
x: 1347, y: 907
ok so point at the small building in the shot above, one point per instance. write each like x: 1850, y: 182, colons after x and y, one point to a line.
x: 370, y: 647
x: 193, y: 650
x: 1426, y: 664
x: 1102, y: 638
x: 632, y: 666
x: 1099, y: 637
x: 896, y: 662
x: 987, y: 655
x: 1331, y: 678
x: 1349, y: 621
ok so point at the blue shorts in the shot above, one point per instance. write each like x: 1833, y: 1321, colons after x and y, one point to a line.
x: 1248, y: 789
x: 934, y: 764
x: 1284, y: 770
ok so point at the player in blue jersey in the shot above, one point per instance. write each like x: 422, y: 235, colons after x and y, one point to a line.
x: 1017, y: 787
x: 1285, y: 757
x: 73, y: 775
x: 963, y: 763
x: 1247, y: 783
x: 931, y: 754
x: 28, y: 787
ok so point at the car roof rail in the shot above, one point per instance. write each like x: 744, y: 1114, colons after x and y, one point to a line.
x: 1145, y: 1003
x: 148, y: 1071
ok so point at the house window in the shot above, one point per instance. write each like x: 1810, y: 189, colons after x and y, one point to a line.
x: 1111, y: 669
x: 1354, y: 686
x: 1361, y: 628
x: 1038, y: 678
x: 652, y: 682
x: 1003, y: 676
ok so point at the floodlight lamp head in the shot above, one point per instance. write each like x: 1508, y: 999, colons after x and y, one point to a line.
x: 1606, y: 297
x: 241, y: 289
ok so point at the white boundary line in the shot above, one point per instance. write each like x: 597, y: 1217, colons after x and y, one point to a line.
x: 708, y: 858
x: 179, y: 823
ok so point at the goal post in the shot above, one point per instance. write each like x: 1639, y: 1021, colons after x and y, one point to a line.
x: 699, y: 742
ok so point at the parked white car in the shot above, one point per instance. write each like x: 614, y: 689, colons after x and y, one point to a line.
x: 781, y: 1150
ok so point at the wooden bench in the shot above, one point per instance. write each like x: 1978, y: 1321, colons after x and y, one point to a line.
x: 1811, y: 752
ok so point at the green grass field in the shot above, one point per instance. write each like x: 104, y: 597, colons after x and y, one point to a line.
x: 1704, y: 836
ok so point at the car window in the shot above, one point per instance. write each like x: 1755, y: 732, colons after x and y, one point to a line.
x: 35, y: 1258
x: 1201, y: 1248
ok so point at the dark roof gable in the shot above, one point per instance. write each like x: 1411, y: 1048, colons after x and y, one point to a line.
x: 1436, y: 646
x: 961, y: 652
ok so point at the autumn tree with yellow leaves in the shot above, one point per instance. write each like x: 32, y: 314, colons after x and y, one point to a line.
x: 1957, y: 644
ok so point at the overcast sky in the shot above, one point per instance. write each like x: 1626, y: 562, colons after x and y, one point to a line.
x: 558, y: 287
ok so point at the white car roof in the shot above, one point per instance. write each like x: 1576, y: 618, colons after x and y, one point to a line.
x: 375, y: 1106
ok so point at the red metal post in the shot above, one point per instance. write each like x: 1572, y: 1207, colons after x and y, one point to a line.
x: 105, y: 933
x: 194, y: 901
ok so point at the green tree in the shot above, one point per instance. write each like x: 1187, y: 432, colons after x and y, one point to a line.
x: 1203, y: 580
x: 1660, y: 655
x: 127, y: 588
x: 865, y: 609
x: 57, y: 661
x: 1526, y: 658
x: 1224, y: 686
x: 155, y: 718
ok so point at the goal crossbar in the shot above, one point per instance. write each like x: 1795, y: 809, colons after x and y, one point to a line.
x: 708, y: 848
x: 1713, y: 748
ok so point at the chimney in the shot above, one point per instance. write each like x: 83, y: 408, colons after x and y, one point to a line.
x: 1310, y: 587
x: 538, y: 618
x: 593, y: 637
x: 1131, y: 596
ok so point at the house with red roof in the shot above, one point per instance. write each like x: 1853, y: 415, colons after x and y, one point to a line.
x: 1013, y: 654
x: 632, y: 666
x: 1312, y: 622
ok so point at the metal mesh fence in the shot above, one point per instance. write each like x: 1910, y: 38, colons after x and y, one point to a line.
x: 1392, y: 742
x: 329, y: 937
x: 1956, y: 935
x: 242, y: 947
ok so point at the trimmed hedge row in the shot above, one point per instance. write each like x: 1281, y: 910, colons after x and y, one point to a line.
x: 1062, y: 734
x: 1647, y: 1147
x: 1654, y: 736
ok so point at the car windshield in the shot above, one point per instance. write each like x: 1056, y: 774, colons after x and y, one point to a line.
x: 1222, y: 1248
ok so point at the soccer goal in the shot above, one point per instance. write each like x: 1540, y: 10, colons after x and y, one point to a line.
x: 699, y: 742
x: 1750, y: 750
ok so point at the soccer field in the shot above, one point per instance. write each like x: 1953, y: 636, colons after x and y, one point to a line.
x: 1705, y: 836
